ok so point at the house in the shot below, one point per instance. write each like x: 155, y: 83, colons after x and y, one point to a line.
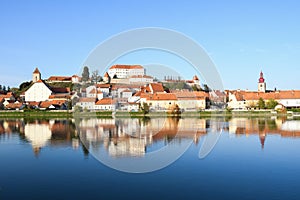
x: 53, y: 105
x: 86, y: 103
x: 105, y: 104
x: 160, y: 100
x: 15, y: 106
x: 75, y: 79
x: 192, y: 100
x: 125, y: 71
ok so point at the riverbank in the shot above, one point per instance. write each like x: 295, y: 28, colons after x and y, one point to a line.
x: 124, y: 114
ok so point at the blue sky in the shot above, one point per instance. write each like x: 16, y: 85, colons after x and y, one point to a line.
x: 241, y: 37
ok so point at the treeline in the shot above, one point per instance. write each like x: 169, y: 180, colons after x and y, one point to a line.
x: 4, y: 89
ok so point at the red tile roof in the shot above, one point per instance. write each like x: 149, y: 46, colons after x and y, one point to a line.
x: 156, y: 87
x: 86, y: 99
x: 126, y: 67
x: 105, y: 101
x: 162, y: 96
x: 60, y: 78
x: 277, y: 95
x: 36, y: 71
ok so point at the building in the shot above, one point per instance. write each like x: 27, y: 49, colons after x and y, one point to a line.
x: 39, y: 91
x: 125, y: 71
x: 243, y: 100
x: 105, y: 104
x: 262, y: 86
x: 86, y: 103
x: 140, y: 79
x: 36, y: 75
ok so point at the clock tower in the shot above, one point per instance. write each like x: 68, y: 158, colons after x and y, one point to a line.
x: 261, y: 83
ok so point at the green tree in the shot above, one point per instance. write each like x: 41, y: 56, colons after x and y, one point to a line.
x: 261, y: 103
x: 85, y: 74
x: 24, y: 85
x: 271, y: 104
x: 145, y: 108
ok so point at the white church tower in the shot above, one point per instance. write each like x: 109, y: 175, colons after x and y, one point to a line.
x: 262, y: 86
x: 36, y: 75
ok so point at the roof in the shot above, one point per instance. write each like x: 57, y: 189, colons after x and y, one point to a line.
x: 36, y: 71
x: 60, y: 78
x: 277, y: 95
x: 47, y: 104
x: 105, y: 101
x: 8, y: 95
x: 196, y: 78
x: 87, y: 99
x: 59, y: 96
x: 126, y: 67
x: 14, y: 105
x: 156, y: 87
x: 103, y: 85
x: 162, y: 96
x: 60, y: 90
x: 187, y: 95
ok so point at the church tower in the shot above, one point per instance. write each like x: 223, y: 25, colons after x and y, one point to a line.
x: 261, y: 83
x: 36, y: 75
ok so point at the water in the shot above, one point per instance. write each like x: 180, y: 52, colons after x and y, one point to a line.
x: 46, y: 159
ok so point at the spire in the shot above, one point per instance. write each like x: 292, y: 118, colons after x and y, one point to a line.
x: 36, y: 71
x: 261, y: 78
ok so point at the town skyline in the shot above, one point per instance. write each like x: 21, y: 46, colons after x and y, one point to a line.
x: 242, y: 38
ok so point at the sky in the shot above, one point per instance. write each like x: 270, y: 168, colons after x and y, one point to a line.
x: 241, y: 37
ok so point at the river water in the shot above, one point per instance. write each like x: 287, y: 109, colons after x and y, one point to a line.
x: 198, y: 158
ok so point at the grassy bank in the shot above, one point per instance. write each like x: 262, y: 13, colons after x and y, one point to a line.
x: 124, y: 114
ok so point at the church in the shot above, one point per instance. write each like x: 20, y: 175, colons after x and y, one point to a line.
x: 245, y: 100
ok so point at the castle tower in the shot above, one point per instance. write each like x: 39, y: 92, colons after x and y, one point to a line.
x: 261, y: 83
x: 36, y: 75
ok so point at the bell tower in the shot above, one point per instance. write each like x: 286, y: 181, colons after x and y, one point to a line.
x: 36, y: 75
x: 261, y: 83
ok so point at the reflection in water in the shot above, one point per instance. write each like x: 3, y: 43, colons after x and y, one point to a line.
x: 134, y: 137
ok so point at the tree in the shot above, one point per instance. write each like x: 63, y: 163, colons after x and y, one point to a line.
x: 271, y: 104
x: 24, y: 85
x: 96, y: 77
x: 261, y: 103
x: 145, y: 108
x: 85, y: 74
x: 206, y: 88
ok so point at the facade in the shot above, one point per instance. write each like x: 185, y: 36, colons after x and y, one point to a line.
x: 125, y: 71
x: 39, y: 91
x: 86, y: 103
x: 144, y: 79
x: 107, y: 104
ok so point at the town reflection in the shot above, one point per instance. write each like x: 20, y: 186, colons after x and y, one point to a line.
x: 133, y: 137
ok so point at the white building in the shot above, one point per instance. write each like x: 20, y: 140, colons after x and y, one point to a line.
x: 105, y: 104
x: 126, y: 71
x: 140, y: 79
x: 39, y: 91
x: 86, y: 103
